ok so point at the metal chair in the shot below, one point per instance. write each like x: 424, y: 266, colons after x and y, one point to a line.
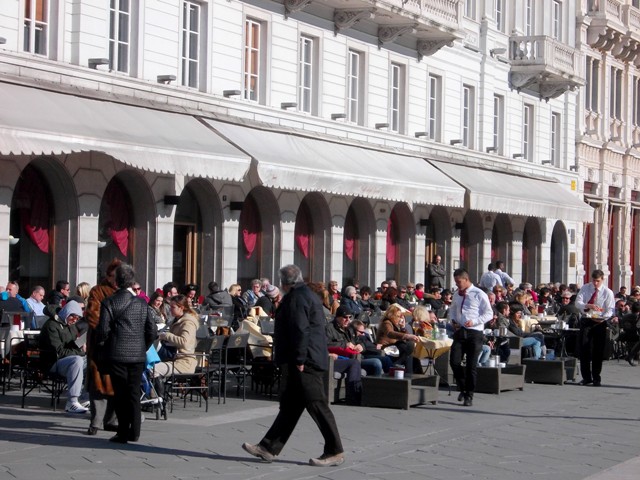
x: 35, y: 375
x: 236, y: 348
x: 182, y: 385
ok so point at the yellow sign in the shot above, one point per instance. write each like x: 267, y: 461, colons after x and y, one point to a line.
x: 574, y: 185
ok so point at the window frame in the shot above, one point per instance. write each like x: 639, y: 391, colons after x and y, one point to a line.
x: 556, y: 138
x: 253, y: 70
x: 528, y: 131
x: 468, y: 116
x: 116, y: 44
x: 397, y: 97
x: 190, y: 66
x: 529, y: 18
x: 556, y: 20
x: 616, y: 92
x: 591, y: 99
x: 34, y: 42
x: 470, y: 9
x: 307, y: 85
x: 434, y: 106
x: 500, y: 17
x: 355, y: 80
x: 498, y: 123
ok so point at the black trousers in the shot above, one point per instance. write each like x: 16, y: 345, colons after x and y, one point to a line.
x: 126, y: 378
x: 466, y: 342
x: 303, y: 390
x: 593, y: 337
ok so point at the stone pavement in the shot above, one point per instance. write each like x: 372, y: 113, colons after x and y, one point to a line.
x: 545, y: 432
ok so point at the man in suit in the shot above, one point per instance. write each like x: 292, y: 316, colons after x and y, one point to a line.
x: 300, y: 348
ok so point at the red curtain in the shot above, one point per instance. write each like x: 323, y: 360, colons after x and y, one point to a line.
x: 391, y: 241
x: 117, y: 224
x: 35, y: 217
x: 251, y: 224
x: 303, y: 231
x: 349, y: 236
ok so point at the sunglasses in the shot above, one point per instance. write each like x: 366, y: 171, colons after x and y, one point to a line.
x: 347, y: 316
x: 137, y: 289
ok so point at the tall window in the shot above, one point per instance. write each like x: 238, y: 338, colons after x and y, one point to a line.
x: 36, y: 26
x: 253, y: 54
x: 591, y: 87
x: 636, y: 101
x: 498, y: 122
x: 527, y: 132
x: 615, y: 94
x: 119, y: 35
x: 190, y: 44
x: 434, y: 107
x: 500, y: 15
x: 557, y: 19
x: 528, y: 18
x: 470, y: 9
x: 556, y: 130
x: 396, y: 98
x: 307, y: 64
x: 468, y: 115
x: 355, y: 87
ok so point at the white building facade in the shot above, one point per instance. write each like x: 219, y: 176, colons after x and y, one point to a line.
x: 218, y: 139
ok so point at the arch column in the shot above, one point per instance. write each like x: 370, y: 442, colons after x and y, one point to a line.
x: 419, y: 258
x: 287, y: 228
x: 230, y: 226
x: 454, y: 258
x: 337, y: 247
x: 516, y: 255
x: 5, y: 217
x: 380, y: 267
x: 486, y: 251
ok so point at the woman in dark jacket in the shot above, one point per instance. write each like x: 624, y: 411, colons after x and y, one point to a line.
x: 127, y: 330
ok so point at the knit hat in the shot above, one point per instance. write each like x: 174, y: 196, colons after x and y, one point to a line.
x: 272, y: 291
x: 343, y: 311
x: 71, y: 308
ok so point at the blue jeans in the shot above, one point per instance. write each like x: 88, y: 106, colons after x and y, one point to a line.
x: 484, y: 355
x: 535, y: 343
x: 373, y: 366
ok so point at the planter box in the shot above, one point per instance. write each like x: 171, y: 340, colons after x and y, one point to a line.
x: 496, y: 379
x: 556, y: 372
x: 399, y: 393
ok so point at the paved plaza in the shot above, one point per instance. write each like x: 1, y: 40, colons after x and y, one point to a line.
x: 544, y: 432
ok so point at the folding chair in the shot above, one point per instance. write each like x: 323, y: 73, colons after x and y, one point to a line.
x: 34, y: 375
x: 216, y: 356
x: 237, y: 347
x: 185, y: 384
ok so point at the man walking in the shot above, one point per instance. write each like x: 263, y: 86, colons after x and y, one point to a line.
x: 300, y: 348
x: 596, y: 300
x: 469, y: 312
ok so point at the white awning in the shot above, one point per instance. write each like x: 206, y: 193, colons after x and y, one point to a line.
x: 491, y: 191
x: 36, y: 121
x: 295, y: 162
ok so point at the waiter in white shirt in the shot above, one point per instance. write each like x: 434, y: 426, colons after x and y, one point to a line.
x: 597, y: 301
x: 469, y: 312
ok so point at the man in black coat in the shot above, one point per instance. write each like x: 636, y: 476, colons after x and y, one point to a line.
x: 127, y: 329
x: 300, y: 349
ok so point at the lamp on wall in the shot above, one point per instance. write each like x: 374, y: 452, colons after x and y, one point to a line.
x: 421, y: 134
x: 494, y: 52
x: 166, y: 79
x: 614, y: 139
x: 287, y: 105
x: 231, y: 93
x: 458, y: 225
x: 424, y: 222
x: 573, y: 168
x: 517, y: 155
x: 95, y: 62
x: 455, y: 141
x: 381, y: 125
x: 546, y: 162
x: 338, y: 116
x: 591, y: 131
x: 171, y: 199
x: 13, y: 240
x: 3, y: 40
x: 102, y: 244
x: 492, y: 149
x: 235, y: 205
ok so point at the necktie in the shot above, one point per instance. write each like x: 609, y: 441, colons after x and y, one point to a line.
x: 594, y: 297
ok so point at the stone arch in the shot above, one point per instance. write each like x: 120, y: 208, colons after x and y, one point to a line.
x: 471, y: 244
x: 502, y: 241
x: 531, y: 251
x: 401, y: 236
x: 359, y: 243
x: 559, y: 252
x: 312, y: 238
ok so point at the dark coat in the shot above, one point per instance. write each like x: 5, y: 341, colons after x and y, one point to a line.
x: 337, y: 336
x: 218, y: 299
x: 300, y: 337
x: 57, y: 340
x: 127, y: 328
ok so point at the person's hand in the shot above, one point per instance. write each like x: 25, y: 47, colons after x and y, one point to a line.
x: 162, y: 336
x: 614, y: 320
x: 378, y: 346
x: 592, y: 306
x: 358, y: 348
x: 84, y: 348
x: 332, y: 355
x: 468, y: 323
x: 300, y: 368
x: 351, y: 346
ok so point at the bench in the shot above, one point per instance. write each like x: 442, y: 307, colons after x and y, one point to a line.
x: 556, y: 372
x: 496, y: 379
x: 399, y: 393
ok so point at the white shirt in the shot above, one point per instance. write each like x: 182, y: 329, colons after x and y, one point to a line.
x: 473, y: 306
x: 604, y: 300
x: 489, y: 280
x: 505, y: 277
x: 36, y: 306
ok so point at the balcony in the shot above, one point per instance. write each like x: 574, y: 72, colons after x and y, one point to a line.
x: 543, y: 66
x: 614, y: 27
x: 423, y: 25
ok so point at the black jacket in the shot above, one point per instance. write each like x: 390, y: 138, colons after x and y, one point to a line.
x: 57, y: 340
x: 299, y: 337
x: 127, y: 327
x: 337, y: 336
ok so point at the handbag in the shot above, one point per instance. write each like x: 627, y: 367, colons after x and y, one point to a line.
x: 167, y: 352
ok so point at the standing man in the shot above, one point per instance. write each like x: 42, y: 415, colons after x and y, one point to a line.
x: 504, y: 276
x: 490, y: 278
x: 127, y: 329
x: 469, y: 312
x: 436, y: 272
x: 596, y: 300
x: 301, y: 350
